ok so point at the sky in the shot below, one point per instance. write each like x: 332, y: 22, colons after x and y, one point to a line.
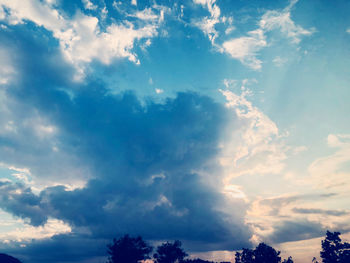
x: 221, y: 123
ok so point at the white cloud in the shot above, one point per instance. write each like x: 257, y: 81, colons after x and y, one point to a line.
x: 331, y: 171
x: 318, y: 205
x: 146, y: 14
x: 81, y: 39
x: 348, y: 30
x: 282, y: 21
x: 338, y: 140
x: 254, y: 144
x: 89, y: 5
x: 279, y: 62
x: 159, y: 91
x: 207, y: 24
x: 134, y: 2
x: 265, y: 214
x: 245, y: 48
x: 18, y: 230
x: 230, y: 83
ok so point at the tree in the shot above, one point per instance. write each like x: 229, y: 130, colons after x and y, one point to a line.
x: 330, y: 247
x: 288, y: 260
x: 8, y: 259
x: 128, y: 250
x: 246, y: 256
x: 266, y: 254
x: 197, y: 260
x: 261, y: 254
x: 170, y: 253
x: 333, y: 250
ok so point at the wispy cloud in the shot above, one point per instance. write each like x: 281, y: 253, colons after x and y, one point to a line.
x: 245, y: 48
x: 281, y: 20
x: 207, y: 24
x: 279, y: 62
x: 330, y: 171
x: 320, y: 211
x: 256, y: 146
x: 89, y: 5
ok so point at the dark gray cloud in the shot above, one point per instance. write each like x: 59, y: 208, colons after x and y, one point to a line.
x: 61, y: 248
x: 288, y: 231
x: 20, y: 201
x: 279, y: 202
x: 320, y: 211
x: 143, y: 160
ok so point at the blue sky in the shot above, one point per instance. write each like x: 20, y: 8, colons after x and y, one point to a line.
x: 219, y: 123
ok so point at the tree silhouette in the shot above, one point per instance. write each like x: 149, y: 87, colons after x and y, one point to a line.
x: 261, y: 254
x: 4, y: 258
x: 170, y: 253
x: 288, y: 260
x: 266, y: 254
x: 197, y: 260
x: 246, y: 256
x: 128, y: 250
x: 333, y: 250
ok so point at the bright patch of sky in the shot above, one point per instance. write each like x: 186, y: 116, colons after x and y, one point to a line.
x: 248, y: 98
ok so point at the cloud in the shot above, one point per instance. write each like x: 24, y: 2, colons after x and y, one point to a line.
x: 137, y: 157
x: 288, y: 231
x: 281, y: 20
x: 140, y: 177
x: 89, y: 5
x: 320, y: 211
x: 312, y: 212
x: 254, y: 145
x: 279, y: 62
x: 330, y: 171
x: 277, y: 219
x: 24, y: 131
x: 81, y: 37
x: 207, y: 24
x: 146, y: 14
x: 26, y: 233
x: 159, y: 91
x: 245, y: 48
x: 19, y: 200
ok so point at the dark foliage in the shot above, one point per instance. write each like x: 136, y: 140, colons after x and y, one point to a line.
x: 133, y: 250
x: 8, y: 259
x: 266, y: 254
x: 197, y: 260
x: 333, y: 250
x: 288, y: 260
x: 261, y: 254
x: 170, y: 253
x: 128, y: 250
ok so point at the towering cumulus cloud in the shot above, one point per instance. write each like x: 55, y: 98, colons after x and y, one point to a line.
x: 141, y: 163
